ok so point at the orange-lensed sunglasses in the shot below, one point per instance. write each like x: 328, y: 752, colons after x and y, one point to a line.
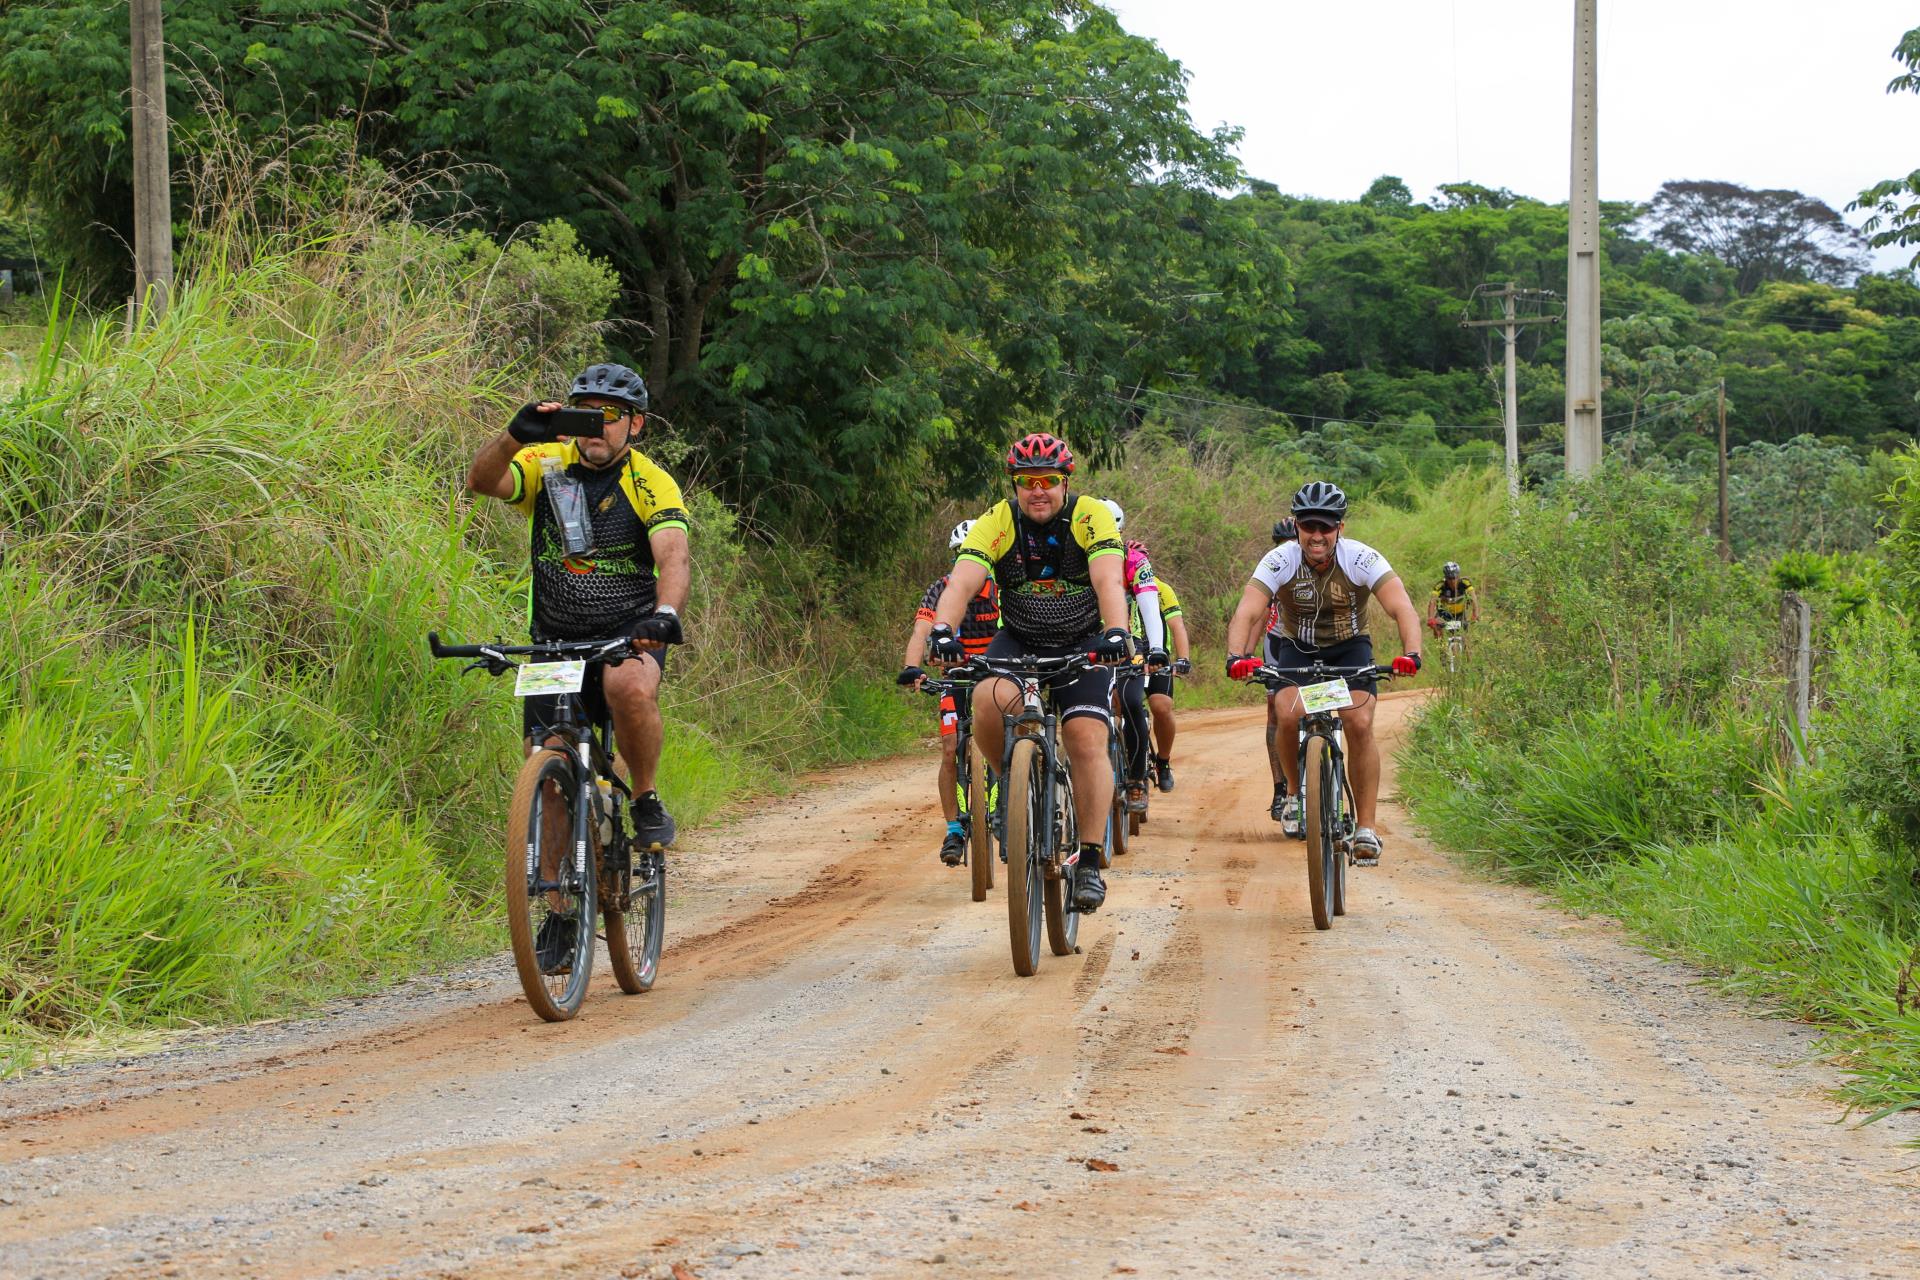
x: 1051, y: 480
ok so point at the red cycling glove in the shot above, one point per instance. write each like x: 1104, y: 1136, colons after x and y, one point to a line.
x: 1243, y: 668
x: 1407, y: 665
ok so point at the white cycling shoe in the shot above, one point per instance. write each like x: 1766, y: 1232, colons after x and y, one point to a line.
x: 1366, y: 848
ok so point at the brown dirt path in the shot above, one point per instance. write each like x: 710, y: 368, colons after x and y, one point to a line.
x: 839, y: 1074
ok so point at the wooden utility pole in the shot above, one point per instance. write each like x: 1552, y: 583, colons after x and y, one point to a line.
x: 1583, y: 254
x: 1726, y: 534
x: 152, y: 182
x: 1509, y: 322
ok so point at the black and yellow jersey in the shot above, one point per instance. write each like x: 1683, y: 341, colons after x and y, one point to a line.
x: 1450, y: 600
x: 1046, y: 588
x: 603, y: 593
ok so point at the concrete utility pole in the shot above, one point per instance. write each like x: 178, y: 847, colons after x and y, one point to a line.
x: 1726, y: 534
x: 1583, y: 254
x: 152, y: 195
x: 1509, y: 323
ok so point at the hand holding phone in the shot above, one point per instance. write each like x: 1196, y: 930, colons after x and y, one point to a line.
x: 580, y: 423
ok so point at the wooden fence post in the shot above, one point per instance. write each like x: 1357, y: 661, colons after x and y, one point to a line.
x: 1796, y: 634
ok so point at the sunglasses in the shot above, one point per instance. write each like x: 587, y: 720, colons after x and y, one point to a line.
x: 611, y: 412
x: 1052, y: 480
x: 1314, y: 526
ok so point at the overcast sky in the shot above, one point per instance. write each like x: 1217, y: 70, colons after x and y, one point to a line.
x: 1768, y: 93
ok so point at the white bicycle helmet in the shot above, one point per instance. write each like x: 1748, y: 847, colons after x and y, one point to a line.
x: 959, y: 535
x: 1119, y: 516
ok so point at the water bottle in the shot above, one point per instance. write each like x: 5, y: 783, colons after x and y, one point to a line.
x: 606, y: 812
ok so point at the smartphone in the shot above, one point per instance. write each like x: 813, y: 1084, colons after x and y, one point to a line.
x: 590, y: 423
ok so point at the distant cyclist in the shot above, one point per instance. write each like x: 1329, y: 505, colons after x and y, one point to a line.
x: 1452, y: 599
x: 621, y: 567
x: 1160, y: 683
x: 1143, y: 605
x: 981, y: 624
x: 1057, y: 558
x: 1322, y: 583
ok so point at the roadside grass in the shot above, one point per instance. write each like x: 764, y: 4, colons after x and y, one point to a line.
x: 232, y: 780
x: 1650, y: 785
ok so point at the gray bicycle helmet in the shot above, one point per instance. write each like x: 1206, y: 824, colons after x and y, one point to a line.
x: 1285, y: 530
x: 611, y: 382
x: 1451, y: 569
x: 1321, y: 498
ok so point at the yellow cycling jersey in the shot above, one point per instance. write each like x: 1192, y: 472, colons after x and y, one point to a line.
x: 655, y: 496
x: 1169, y: 600
x: 1169, y: 610
x: 1451, y: 602
x: 1046, y: 588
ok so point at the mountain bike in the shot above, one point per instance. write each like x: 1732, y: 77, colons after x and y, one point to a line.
x: 1455, y: 630
x: 1327, y: 801
x: 970, y: 778
x: 1042, y: 838
x: 1122, y: 738
x: 570, y: 854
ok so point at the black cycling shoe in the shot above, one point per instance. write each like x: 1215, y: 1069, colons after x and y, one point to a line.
x: 1089, y: 890
x: 1164, y: 768
x: 1278, y: 809
x: 554, y: 947
x: 652, y: 824
x: 953, y: 850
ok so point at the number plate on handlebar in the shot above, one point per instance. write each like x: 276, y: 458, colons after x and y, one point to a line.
x: 1330, y: 696
x: 534, y: 679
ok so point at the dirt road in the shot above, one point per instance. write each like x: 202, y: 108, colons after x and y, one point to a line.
x: 839, y: 1074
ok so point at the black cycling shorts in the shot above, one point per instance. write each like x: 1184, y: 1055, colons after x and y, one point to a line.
x: 1356, y: 651
x: 1160, y: 682
x: 538, y: 712
x: 1085, y: 694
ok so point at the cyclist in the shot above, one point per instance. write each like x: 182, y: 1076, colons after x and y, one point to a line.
x: 1160, y: 683
x: 1284, y: 530
x: 1322, y: 583
x: 1143, y: 606
x: 630, y: 578
x: 1452, y: 600
x: 1057, y: 558
x: 982, y: 621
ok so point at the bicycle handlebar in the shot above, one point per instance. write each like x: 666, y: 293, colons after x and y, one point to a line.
x: 981, y: 668
x: 498, y: 653
x: 1274, y: 678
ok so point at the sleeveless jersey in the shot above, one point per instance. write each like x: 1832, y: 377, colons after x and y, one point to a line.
x: 982, y: 622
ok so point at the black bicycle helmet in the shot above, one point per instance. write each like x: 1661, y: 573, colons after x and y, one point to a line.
x: 1320, y: 498
x: 612, y: 382
x: 1451, y: 569
x: 1285, y: 530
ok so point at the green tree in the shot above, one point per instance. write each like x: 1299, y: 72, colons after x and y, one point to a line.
x: 1662, y: 380
x: 1895, y: 202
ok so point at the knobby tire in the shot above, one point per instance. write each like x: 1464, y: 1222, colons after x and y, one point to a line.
x: 555, y: 997
x: 1317, y: 794
x: 1063, y: 922
x: 979, y: 825
x: 1028, y: 830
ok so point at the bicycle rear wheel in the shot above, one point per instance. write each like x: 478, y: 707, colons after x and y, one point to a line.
x: 1342, y: 827
x: 1029, y: 829
x: 1317, y: 792
x: 979, y: 825
x: 637, y: 926
x: 549, y: 896
x: 1117, y: 825
x: 1063, y: 922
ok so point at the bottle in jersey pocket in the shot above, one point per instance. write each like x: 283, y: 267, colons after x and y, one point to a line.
x: 567, y: 498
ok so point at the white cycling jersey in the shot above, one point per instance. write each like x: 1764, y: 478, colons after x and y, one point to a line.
x: 1328, y: 606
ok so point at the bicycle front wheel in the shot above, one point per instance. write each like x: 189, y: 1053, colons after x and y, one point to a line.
x: 1029, y: 835
x: 1063, y: 922
x: 979, y: 825
x: 550, y: 897
x: 1317, y: 789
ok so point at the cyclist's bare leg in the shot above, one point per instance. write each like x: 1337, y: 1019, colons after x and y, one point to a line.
x: 633, y: 695
x: 1283, y: 737
x: 950, y: 776
x: 1363, y: 757
x: 1162, y: 707
x: 1085, y: 739
x: 993, y: 699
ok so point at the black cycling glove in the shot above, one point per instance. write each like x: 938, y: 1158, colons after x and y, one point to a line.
x: 530, y: 426
x: 1182, y: 667
x: 1113, y: 647
x: 909, y: 675
x: 663, y: 626
x: 1156, y: 659
x: 944, y: 646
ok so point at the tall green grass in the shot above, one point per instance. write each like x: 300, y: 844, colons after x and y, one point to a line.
x: 1630, y: 759
x: 231, y: 779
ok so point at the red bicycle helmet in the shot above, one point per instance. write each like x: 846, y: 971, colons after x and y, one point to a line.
x: 1040, y: 452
